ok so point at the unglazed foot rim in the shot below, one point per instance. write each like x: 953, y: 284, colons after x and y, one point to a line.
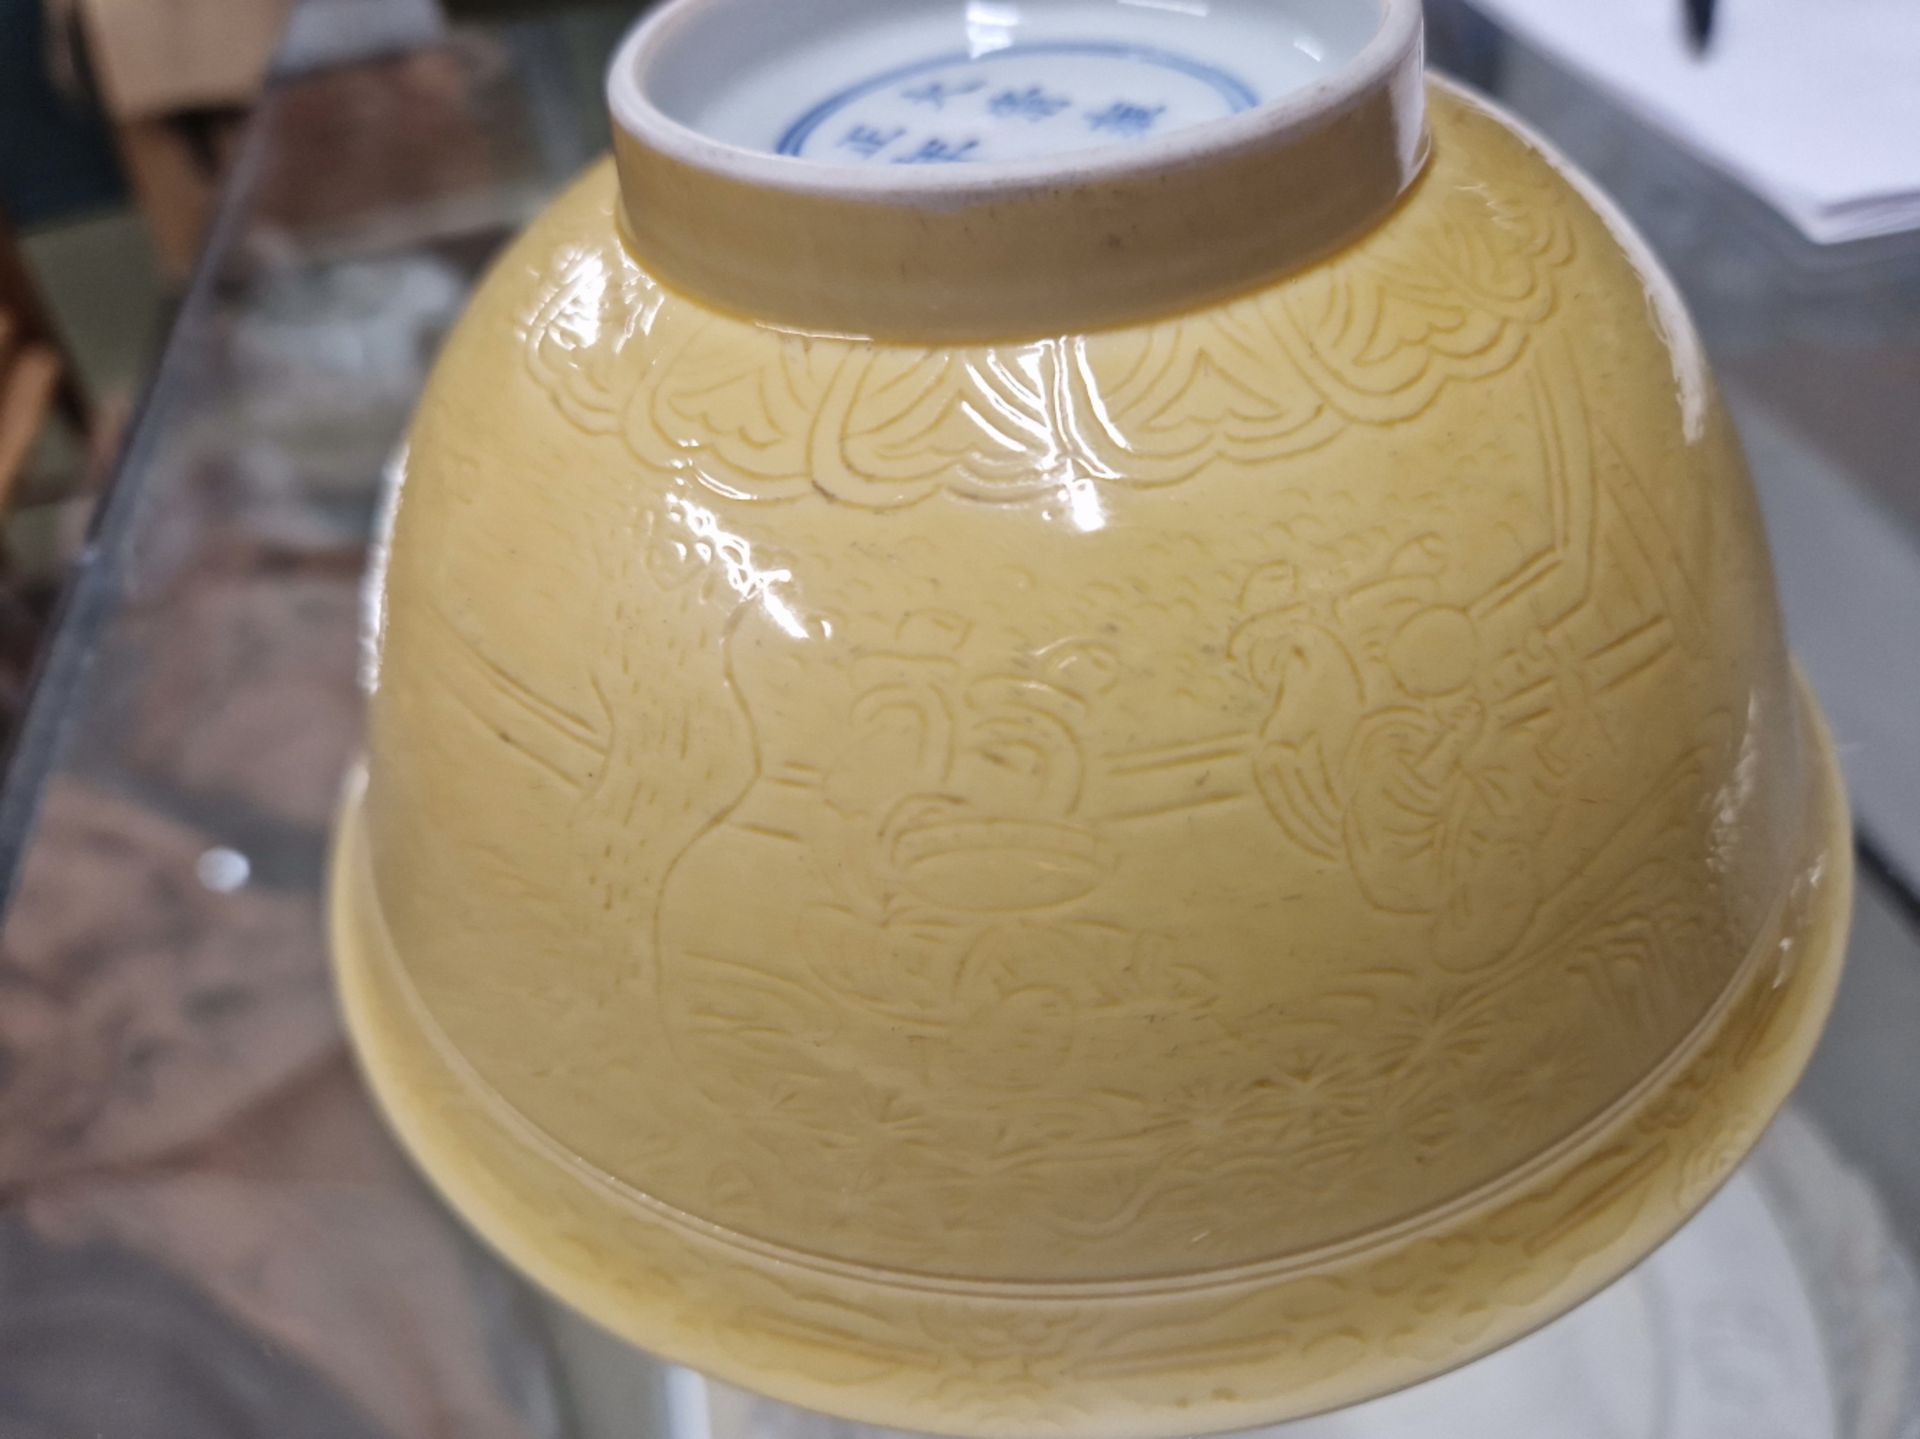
x: 1041, y: 245
x: 1214, y: 1356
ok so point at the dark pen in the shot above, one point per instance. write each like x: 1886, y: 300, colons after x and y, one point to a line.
x: 1699, y: 24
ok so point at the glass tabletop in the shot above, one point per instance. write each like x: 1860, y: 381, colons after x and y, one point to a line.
x: 203, y: 1228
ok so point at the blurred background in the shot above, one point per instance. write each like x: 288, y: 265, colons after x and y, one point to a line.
x: 232, y: 235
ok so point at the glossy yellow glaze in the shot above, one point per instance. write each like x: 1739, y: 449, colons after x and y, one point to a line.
x: 1115, y: 884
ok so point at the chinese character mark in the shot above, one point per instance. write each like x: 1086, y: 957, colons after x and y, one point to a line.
x: 936, y: 93
x: 1124, y: 117
x: 870, y: 140
x: 1032, y: 103
x: 936, y: 151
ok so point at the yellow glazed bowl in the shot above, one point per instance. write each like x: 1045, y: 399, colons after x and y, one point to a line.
x: 1115, y: 861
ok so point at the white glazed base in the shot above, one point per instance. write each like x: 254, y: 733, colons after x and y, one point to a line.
x: 934, y: 82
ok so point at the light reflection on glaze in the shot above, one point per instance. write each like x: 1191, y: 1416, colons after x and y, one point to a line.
x: 713, y: 545
x: 990, y: 26
x: 373, y: 587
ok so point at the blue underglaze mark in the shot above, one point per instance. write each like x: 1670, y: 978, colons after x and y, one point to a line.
x: 937, y: 92
x: 938, y: 152
x: 1235, y: 91
x: 1126, y: 117
x: 869, y: 140
x: 1032, y: 103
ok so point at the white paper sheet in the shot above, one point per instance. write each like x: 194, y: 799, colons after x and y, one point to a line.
x: 1813, y: 104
